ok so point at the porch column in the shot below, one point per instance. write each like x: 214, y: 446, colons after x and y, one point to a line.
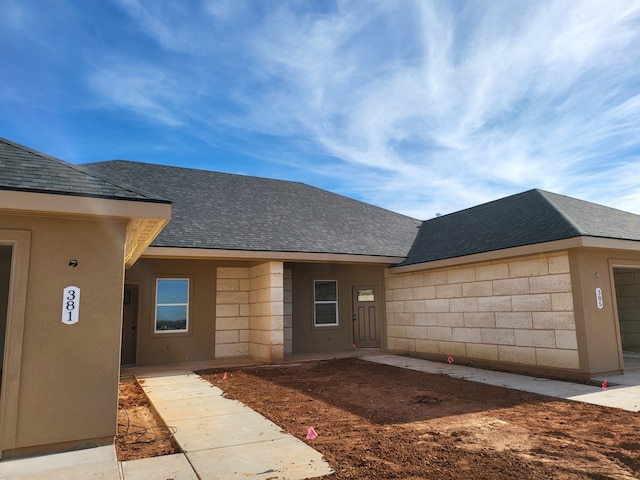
x: 266, y: 298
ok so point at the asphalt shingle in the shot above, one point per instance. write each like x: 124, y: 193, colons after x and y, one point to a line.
x: 215, y: 210
x: 27, y: 170
x: 528, y: 218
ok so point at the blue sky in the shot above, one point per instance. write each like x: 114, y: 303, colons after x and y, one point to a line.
x: 421, y: 107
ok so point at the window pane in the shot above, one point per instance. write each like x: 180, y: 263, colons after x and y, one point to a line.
x: 171, y: 317
x: 366, y: 296
x: 326, y: 291
x: 326, y: 314
x: 172, y: 291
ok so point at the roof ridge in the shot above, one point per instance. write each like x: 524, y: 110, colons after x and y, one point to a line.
x: 253, y: 177
x: 545, y: 195
x: 162, y: 165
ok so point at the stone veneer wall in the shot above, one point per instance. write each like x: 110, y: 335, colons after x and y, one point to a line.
x: 288, y: 311
x: 518, y: 311
x: 232, y: 312
x: 627, y: 283
x: 266, y: 322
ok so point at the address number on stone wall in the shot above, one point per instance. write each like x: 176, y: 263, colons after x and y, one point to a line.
x: 71, y: 305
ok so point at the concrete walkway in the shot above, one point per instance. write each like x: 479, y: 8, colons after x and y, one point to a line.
x: 623, y: 391
x: 220, y: 438
x: 223, y: 439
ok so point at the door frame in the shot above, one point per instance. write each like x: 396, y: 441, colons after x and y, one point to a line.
x: 138, y: 287
x: 20, y: 241
x: 628, y: 265
x: 378, y: 304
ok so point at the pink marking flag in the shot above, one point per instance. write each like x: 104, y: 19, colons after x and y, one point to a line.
x: 604, y: 384
x: 311, y: 433
x: 450, y: 359
x: 225, y: 376
x: 353, y: 346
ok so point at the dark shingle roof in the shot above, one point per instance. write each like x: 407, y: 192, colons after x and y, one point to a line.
x: 233, y: 212
x: 527, y: 218
x: 27, y: 170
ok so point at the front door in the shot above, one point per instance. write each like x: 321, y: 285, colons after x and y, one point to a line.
x: 129, y: 325
x: 366, y: 324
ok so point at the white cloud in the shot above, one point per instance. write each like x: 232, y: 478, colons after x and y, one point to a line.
x: 436, y: 105
x: 147, y: 91
x: 502, y: 98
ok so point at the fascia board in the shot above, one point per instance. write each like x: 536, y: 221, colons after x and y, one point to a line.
x: 576, y: 242
x: 202, y: 253
x: 46, y: 203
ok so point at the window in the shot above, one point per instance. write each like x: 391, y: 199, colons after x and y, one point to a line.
x: 172, y: 305
x: 366, y: 295
x: 325, y: 303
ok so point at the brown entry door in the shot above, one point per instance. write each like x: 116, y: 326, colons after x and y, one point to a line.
x: 366, y: 324
x: 129, y: 325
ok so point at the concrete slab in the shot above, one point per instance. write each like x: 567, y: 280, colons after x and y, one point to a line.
x: 224, y: 431
x: 224, y: 439
x: 200, y: 407
x: 95, y: 463
x: 174, y: 467
x: 274, y: 459
x: 170, y: 379
x: 176, y: 390
x: 623, y: 397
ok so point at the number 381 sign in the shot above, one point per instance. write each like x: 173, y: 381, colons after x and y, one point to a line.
x: 70, y: 305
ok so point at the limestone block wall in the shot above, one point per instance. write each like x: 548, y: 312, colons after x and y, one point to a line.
x: 288, y: 311
x: 233, y: 288
x: 266, y: 315
x: 627, y: 283
x: 517, y: 311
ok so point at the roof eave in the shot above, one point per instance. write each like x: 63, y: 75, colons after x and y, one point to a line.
x: 259, y: 255
x: 565, y: 244
x: 145, y: 219
x: 52, y: 203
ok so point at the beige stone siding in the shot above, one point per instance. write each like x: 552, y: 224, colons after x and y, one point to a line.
x: 627, y: 283
x: 516, y: 311
x: 233, y: 288
x: 250, y: 311
x: 266, y: 322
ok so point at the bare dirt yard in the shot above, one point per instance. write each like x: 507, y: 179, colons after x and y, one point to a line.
x: 375, y: 421
x: 140, y: 433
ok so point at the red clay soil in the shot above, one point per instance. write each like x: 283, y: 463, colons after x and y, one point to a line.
x: 140, y: 433
x: 378, y: 422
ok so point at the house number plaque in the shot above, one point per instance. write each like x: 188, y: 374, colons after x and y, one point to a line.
x: 70, y: 305
x: 599, y: 298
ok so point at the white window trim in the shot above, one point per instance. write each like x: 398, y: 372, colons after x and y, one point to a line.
x: 325, y: 302
x: 155, y: 308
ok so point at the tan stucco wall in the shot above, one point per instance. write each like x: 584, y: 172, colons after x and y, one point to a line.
x: 310, y: 339
x: 517, y: 311
x: 627, y: 284
x: 599, y: 332
x: 66, y: 390
x: 235, y: 310
x: 166, y: 348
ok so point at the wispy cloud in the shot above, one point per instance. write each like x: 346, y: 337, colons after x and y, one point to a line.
x: 487, y: 101
x: 417, y: 106
x: 148, y: 91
